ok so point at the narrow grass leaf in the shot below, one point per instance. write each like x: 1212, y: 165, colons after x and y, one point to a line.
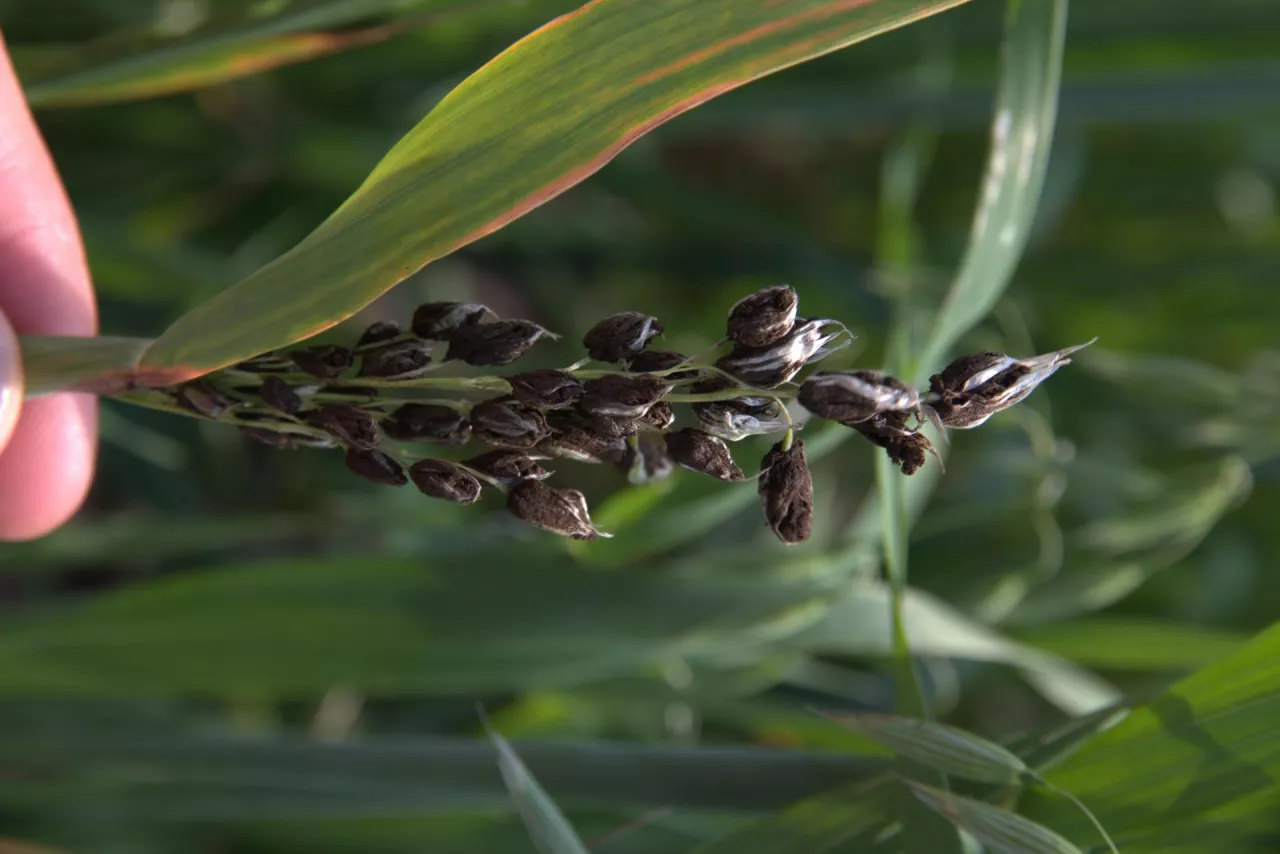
x: 939, y: 746
x: 546, y: 825
x: 586, y: 86
x: 998, y: 829
x: 858, y: 624
x: 1021, y: 136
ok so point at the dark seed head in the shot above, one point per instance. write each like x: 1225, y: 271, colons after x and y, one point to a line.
x: 786, y: 491
x: 376, y: 466
x: 507, y: 423
x: 967, y: 372
x: 764, y: 318
x: 400, y: 360
x: 855, y: 396
x: 620, y: 336
x: 202, y: 398
x: 659, y: 417
x: 646, y: 459
x: 352, y: 426
x: 508, y: 467
x: 560, y: 511
x: 702, y: 452
x: 429, y: 421
x: 440, y: 479
x: 382, y: 330
x: 604, y: 426
x: 653, y: 361
x: 324, y: 361
x: 583, y: 446
x: 277, y: 394
x: 437, y: 321
x: 767, y: 367
x: 622, y: 395
x: 549, y: 389
x: 906, y: 448
x: 497, y: 343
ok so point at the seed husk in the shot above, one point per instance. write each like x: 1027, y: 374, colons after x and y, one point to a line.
x: 444, y: 480
x: 493, y: 344
x: 702, y: 452
x: 508, y: 467
x: 395, y: 360
x: 548, y: 389
x: 763, y: 318
x: 352, y: 426
x: 376, y: 466
x: 507, y: 423
x: 324, y: 361
x: 430, y: 421
x: 559, y: 511
x: 786, y: 492
x: 620, y: 336
x: 278, y: 394
x: 438, y: 321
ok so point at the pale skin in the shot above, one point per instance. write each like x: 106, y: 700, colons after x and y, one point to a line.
x: 47, y: 445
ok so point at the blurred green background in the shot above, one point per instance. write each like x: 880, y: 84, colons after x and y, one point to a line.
x: 237, y: 649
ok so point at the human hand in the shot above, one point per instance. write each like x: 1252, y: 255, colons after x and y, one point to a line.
x: 47, y: 445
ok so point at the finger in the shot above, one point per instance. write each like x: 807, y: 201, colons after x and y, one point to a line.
x: 47, y: 465
x: 10, y: 381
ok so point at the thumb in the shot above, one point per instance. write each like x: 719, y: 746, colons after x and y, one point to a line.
x: 10, y: 381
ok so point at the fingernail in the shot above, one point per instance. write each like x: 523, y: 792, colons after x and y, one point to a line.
x: 10, y: 381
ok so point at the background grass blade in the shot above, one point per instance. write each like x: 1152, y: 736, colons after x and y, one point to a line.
x: 823, y: 823
x: 943, y: 748
x: 304, y: 625
x: 90, y: 74
x: 547, y: 826
x: 588, y: 85
x: 998, y: 829
x: 1207, y: 746
x: 164, y: 769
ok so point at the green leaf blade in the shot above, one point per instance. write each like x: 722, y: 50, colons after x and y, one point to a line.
x: 546, y: 825
x: 1021, y: 137
x: 466, y: 170
x: 939, y: 746
x: 998, y: 829
x: 100, y: 365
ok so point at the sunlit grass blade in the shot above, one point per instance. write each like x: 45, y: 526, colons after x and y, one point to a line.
x: 1202, y: 748
x: 1123, y: 643
x: 586, y: 85
x: 1021, y: 137
x: 546, y: 825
